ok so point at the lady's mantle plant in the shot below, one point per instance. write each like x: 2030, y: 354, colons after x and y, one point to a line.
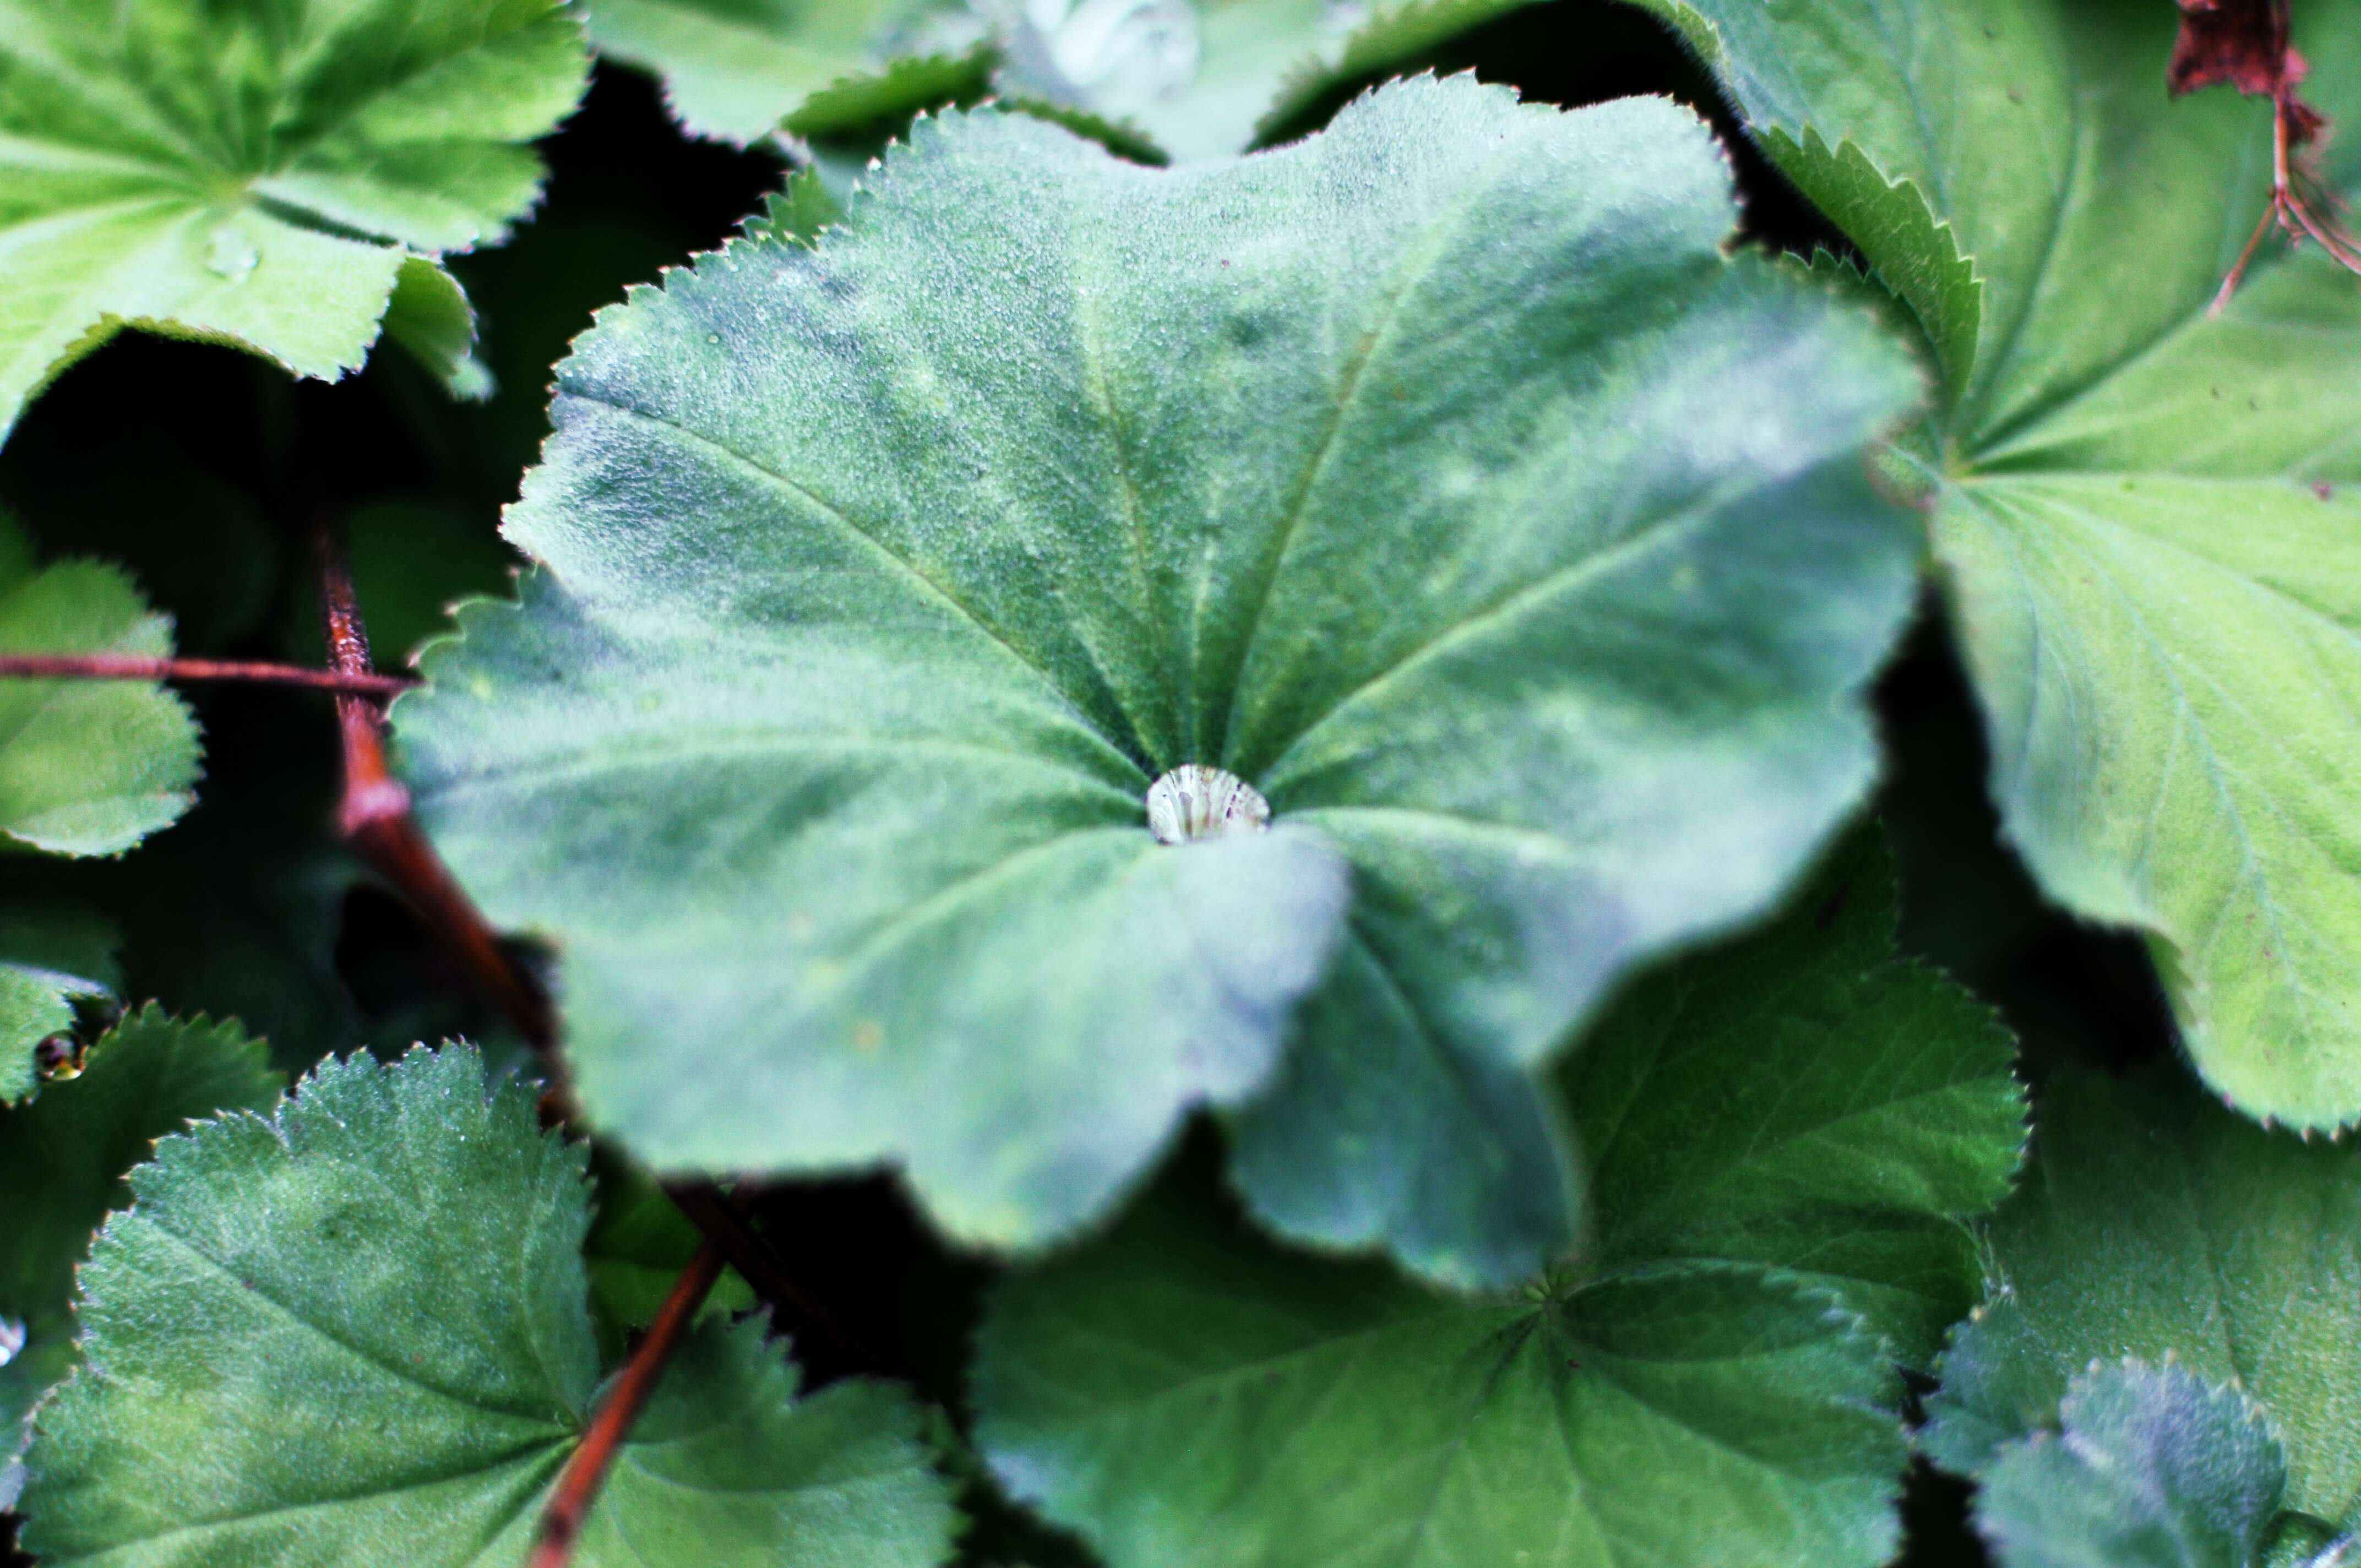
x: 1370, y: 638
x: 1439, y: 477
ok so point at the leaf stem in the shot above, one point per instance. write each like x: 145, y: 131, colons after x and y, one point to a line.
x: 374, y: 816
x: 577, y: 1485
x: 137, y: 667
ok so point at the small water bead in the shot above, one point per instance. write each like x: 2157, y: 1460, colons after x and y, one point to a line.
x: 1194, y: 800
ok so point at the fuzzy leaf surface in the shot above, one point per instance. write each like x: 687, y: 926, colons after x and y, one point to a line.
x: 2156, y: 1223
x: 2150, y: 1468
x: 1522, y: 554
x: 357, y: 1333
x: 2148, y: 520
x: 262, y: 172
x: 63, y: 1161
x: 86, y: 767
x: 1187, y: 1395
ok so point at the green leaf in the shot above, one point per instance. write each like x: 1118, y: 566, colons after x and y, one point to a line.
x: 1186, y: 1395
x: 1806, y: 1098
x: 86, y: 767
x: 260, y: 173
x: 2156, y: 1223
x: 356, y: 1333
x: 1780, y: 1130
x: 52, y: 955
x: 636, y: 1249
x: 1522, y: 554
x: 63, y: 1160
x: 736, y: 70
x: 2147, y: 518
x: 2152, y: 1469
x: 1188, y: 79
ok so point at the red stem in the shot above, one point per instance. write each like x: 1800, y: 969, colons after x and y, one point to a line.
x: 136, y: 667
x: 578, y: 1483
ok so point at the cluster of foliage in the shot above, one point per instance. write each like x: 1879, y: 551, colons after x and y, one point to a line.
x: 1802, y: 977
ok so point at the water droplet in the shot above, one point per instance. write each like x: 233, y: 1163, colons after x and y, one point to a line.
x: 1194, y: 800
x: 230, y: 254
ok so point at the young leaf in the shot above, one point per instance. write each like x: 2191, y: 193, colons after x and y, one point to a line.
x: 1439, y: 476
x: 86, y: 767
x: 63, y: 1159
x: 1789, y: 1123
x: 2151, y: 1469
x: 262, y: 174
x: 356, y: 1334
x: 2147, y: 518
x: 2156, y: 1223
x: 1186, y: 1395
x: 52, y: 955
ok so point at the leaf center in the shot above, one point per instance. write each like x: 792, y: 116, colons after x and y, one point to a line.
x: 1194, y: 800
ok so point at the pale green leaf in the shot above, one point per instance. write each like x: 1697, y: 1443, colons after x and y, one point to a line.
x: 2156, y: 1223
x: 356, y: 1334
x: 261, y: 173
x: 1520, y: 553
x: 1187, y: 80
x: 2147, y: 518
x: 2150, y: 1468
x: 86, y: 767
x: 1185, y: 1395
x: 63, y: 1160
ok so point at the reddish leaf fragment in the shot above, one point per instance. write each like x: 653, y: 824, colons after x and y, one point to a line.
x: 2245, y: 44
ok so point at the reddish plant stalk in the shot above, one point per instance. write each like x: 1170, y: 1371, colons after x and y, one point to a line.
x: 138, y: 667
x: 375, y: 817
x: 578, y: 1483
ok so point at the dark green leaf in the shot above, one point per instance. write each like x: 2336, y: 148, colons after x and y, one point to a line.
x: 1522, y: 554
x: 1186, y: 1396
x: 63, y: 1159
x: 356, y: 1334
x: 52, y: 955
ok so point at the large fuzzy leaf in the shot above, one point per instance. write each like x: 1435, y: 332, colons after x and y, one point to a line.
x: 2148, y: 520
x: 357, y: 1333
x: 2157, y: 1224
x: 1520, y: 553
x: 63, y: 1159
x: 86, y: 767
x: 271, y: 174
x: 1196, y: 79
x: 2150, y: 1469
x: 1792, y: 1123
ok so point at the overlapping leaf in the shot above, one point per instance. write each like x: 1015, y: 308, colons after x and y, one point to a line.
x: 1198, y: 78
x: 2150, y: 1468
x: 63, y: 1159
x: 1788, y: 1126
x: 278, y: 176
x: 2148, y: 520
x: 2157, y: 1224
x: 356, y: 1334
x: 1439, y: 475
